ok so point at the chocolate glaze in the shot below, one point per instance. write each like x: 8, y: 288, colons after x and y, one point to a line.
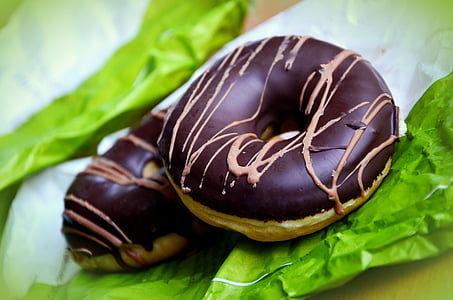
x: 345, y: 130
x: 110, y: 204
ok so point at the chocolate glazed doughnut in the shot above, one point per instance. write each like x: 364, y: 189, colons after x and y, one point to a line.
x: 280, y: 138
x: 121, y: 213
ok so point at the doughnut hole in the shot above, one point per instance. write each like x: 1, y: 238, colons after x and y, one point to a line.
x: 285, y: 129
x: 150, y: 168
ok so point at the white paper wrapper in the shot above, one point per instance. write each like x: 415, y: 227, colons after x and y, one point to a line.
x: 410, y: 43
x: 49, y: 47
x: 33, y: 248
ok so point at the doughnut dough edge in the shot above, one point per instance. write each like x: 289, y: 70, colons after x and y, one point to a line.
x: 273, y: 231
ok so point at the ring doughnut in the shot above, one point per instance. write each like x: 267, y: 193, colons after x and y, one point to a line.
x: 280, y: 138
x: 121, y: 213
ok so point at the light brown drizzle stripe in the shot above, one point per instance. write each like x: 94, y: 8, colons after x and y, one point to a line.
x: 370, y: 156
x: 114, y: 172
x: 193, y: 99
x: 293, y: 53
x: 257, y: 161
x: 336, y: 120
x: 193, y: 158
x: 159, y: 114
x: 93, y: 227
x: 252, y: 56
x: 190, y: 157
x: 251, y: 170
x: 71, y: 230
x: 326, y: 79
x: 304, y: 88
x: 210, y: 102
x: 138, y: 142
x: 99, y: 213
x: 211, y: 160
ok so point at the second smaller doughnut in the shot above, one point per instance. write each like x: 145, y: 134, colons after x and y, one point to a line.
x: 122, y: 214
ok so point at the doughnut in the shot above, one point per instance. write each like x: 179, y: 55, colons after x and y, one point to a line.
x: 280, y: 138
x: 121, y: 213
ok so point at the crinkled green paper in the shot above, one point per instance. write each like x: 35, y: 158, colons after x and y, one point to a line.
x: 409, y: 218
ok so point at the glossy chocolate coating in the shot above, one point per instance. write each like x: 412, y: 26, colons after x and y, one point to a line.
x: 110, y: 204
x: 346, y: 123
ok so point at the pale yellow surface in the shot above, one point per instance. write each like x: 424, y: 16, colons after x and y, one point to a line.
x: 428, y: 279
x: 431, y: 278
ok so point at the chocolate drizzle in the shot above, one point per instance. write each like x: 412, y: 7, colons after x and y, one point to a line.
x: 114, y: 204
x: 345, y: 133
